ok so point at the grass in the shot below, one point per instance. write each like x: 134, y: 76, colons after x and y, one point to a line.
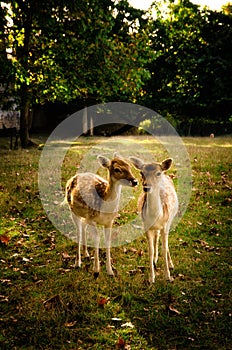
x: 46, y: 304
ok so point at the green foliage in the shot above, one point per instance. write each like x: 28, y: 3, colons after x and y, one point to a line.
x: 176, y: 61
x: 190, y: 75
x: 47, y: 304
x: 64, y: 50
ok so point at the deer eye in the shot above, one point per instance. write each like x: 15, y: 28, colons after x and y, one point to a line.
x: 158, y: 173
x: 117, y: 170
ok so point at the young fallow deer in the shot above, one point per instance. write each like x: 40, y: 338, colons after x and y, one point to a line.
x: 94, y: 201
x: 159, y: 205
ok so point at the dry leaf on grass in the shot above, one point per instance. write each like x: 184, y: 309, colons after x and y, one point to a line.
x: 52, y: 302
x: 4, y: 239
x: 102, y: 302
x: 172, y: 310
x: 70, y: 324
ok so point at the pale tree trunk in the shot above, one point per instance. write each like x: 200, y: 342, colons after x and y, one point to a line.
x: 91, y: 125
x: 85, y: 121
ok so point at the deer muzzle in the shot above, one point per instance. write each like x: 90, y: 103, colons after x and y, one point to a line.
x: 147, y: 189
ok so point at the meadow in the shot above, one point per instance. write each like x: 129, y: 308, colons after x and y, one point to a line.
x: 45, y: 303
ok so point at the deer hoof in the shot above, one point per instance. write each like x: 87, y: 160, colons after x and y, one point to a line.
x: 151, y: 280
x: 170, y: 279
x: 111, y: 275
x: 77, y: 267
x: 96, y: 275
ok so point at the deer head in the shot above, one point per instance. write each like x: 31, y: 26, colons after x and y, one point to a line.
x: 119, y: 170
x: 151, y: 173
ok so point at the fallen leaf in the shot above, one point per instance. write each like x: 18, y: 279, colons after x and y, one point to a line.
x: 102, y: 302
x: 137, y: 227
x: 116, y: 319
x: 52, y: 302
x: 202, y: 242
x: 14, y: 320
x: 141, y: 268
x: 70, y: 324
x: 63, y: 271
x: 121, y: 343
x: 173, y: 310
x: 4, y: 239
x: 140, y: 252
x: 133, y: 250
x: 215, y: 294
x: 66, y: 256
x: 20, y: 242
x: 181, y: 276
x: 110, y: 327
x: 6, y: 282
x: 128, y: 325
x: 196, y: 251
x: 25, y: 259
x: 214, y: 221
x: 4, y: 298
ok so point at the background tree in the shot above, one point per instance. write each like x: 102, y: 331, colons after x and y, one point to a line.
x: 75, y: 49
x: 190, y: 75
x: 105, y: 50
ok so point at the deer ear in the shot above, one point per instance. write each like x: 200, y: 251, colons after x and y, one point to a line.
x: 138, y: 163
x: 166, y: 164
x: 104, y: 161
x: 117, y: 155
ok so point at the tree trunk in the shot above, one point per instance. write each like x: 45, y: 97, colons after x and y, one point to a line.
x: 85, y: 121
x: 24, y: 129
x: 23, y: 59
x: 25, y: 119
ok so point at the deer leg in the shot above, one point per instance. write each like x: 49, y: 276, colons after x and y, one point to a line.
x: 150, y: 238
x: 78, y: 224
x: 156, y: 244
x: 107, y: 231
x: 96, y: 264
x: 84, y: 240
x: 170, y: 263
x: 166, y: 253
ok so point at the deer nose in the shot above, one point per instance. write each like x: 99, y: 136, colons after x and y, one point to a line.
x: 134, y: 182
x: 146, y: 189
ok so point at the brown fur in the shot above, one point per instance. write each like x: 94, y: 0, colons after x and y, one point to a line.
x: 158, y: 205
x: 94, y: 201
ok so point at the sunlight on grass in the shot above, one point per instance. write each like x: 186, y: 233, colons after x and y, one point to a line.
x: 47, y: 304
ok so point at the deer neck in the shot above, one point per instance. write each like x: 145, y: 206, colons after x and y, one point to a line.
x: 113, y: 191
x: 152, y: 210
x: 154, y: 201
x: 112, y: 196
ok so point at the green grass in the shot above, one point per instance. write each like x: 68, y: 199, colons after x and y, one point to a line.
x: 46, y: 304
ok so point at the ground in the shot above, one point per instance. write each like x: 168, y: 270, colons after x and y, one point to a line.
x: 47, y: 304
